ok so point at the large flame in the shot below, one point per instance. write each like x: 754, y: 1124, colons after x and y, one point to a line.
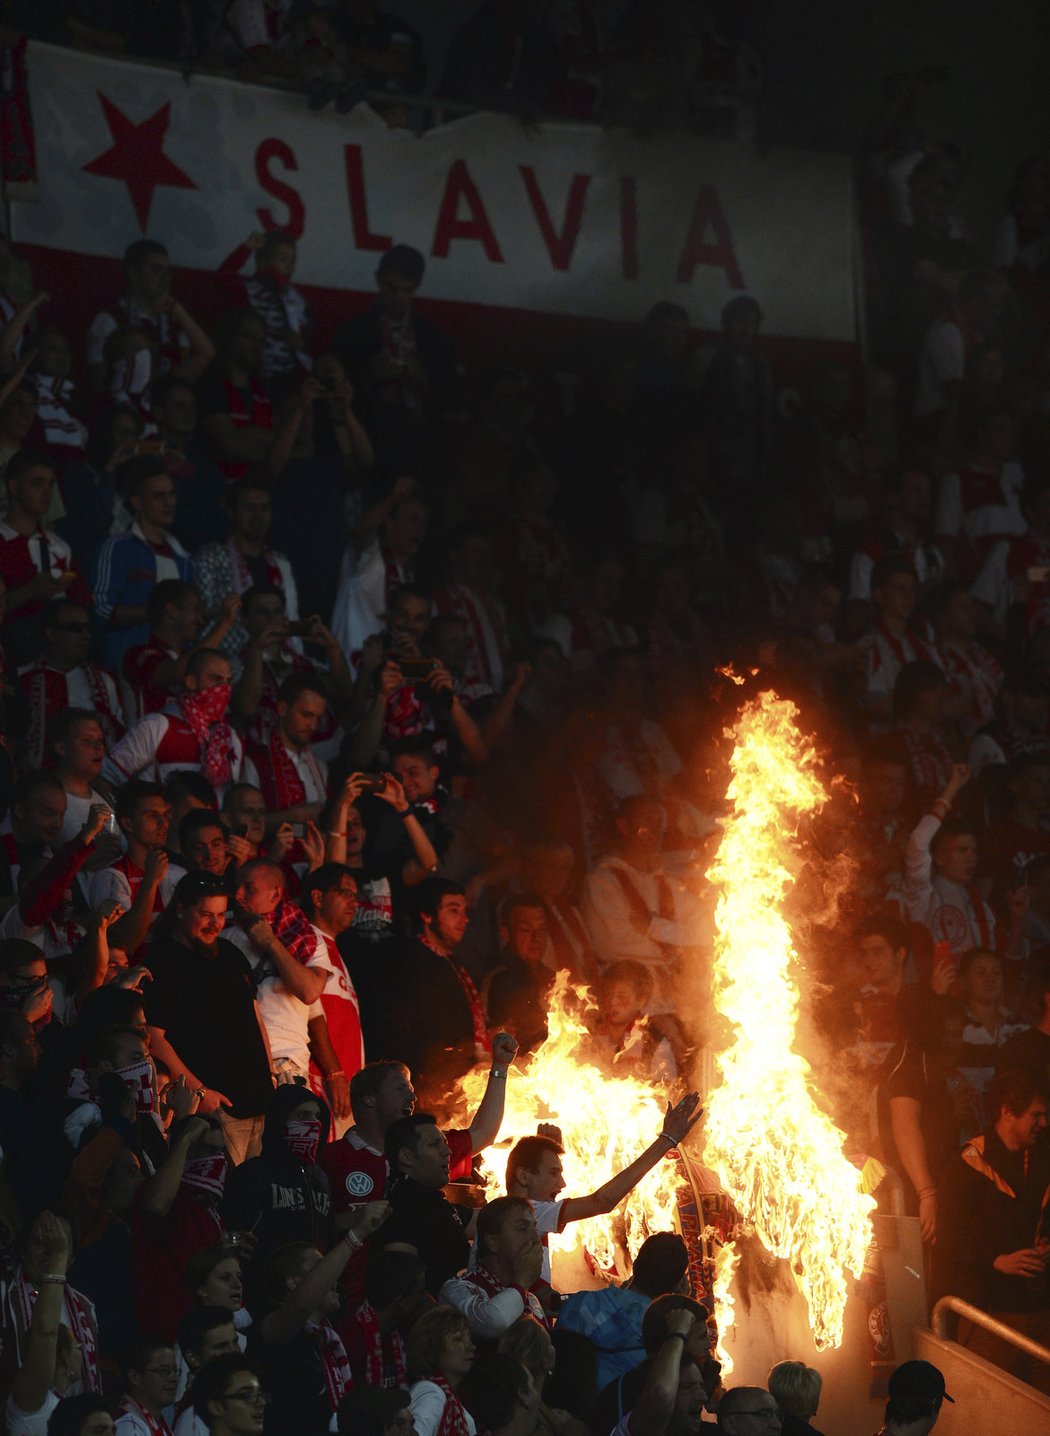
x: 776, y: 1153
x: 606, y: 1122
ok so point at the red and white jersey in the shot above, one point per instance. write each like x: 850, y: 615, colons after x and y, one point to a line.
x: 48, y: 692
x: 887, y: 655
x: 139, y: 694
x: 162, y: 743
x: 979, y: 506
x: 356, y: 1172
x: 342, y: 1014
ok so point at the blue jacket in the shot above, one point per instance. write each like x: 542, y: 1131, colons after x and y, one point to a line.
x: 125, y: 573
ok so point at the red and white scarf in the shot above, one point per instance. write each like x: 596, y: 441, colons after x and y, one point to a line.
x: 486, y: 630
x: 205, y: 711
x: 470, y: 992
x: 242, y: 574
x: 77, y: 1314
x: 258, y: 415
x: 453, y: 1418
x: 47, y: 694
x: 279, y: 778
x: 337, y: 1375
x: 205, y: 1179
x: 62, y: 429
x: 155, y: 1425
x: 376, y: 1349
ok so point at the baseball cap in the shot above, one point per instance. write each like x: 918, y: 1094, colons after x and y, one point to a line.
x: 918, y: 1381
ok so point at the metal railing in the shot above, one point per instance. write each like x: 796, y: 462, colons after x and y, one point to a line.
x: 954, y: 1305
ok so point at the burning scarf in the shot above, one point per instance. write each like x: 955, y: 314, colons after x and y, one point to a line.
x: 205, y: 1178
x: 368, y: 1325
x: 303, y: 1139
x: 453, y: 1418
x: 337, y: 1375
x: 205, y: 711
x: 77, y: 1314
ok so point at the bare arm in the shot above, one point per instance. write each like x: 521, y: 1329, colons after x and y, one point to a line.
x: 905, y: 1115
x: 248, y: 690
x: 305, y: 983
x: 487, y: 1120
x: 327, y: 1059
x: 280, y: 1326
x: 677, y: 1124
x: 424, y: 859
x: 129, y: 932
x: 170, y: 672
x: 655, y: 1406
x: 163, y: 1187
x: 13, y: 332
x: 202, y: 350
x: 36, y: 1375
x: 287, y: 430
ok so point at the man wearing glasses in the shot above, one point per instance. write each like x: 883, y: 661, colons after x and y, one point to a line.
x: 63, y: 677
x: 748, y: 1411
x: 228, y: 1396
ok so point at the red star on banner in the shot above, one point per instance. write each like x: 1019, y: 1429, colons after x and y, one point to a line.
x: 137, y: 157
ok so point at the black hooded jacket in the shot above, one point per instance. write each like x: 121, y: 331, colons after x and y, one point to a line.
x: 275, y: 1196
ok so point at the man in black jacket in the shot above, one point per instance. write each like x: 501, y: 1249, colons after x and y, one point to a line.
x: 283, y: 1195
x: 996, y: 1245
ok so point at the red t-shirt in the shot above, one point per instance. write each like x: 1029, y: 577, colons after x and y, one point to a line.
x: 356, y: 1173
x: 162, y: 1248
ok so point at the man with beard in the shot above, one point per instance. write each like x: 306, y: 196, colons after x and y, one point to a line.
x: 204, y: 1025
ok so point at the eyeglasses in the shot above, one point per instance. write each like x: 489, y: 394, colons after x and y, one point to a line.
x: 250, y: 1394
x: 209, y: 884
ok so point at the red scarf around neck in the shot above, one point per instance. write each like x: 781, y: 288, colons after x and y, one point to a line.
x: 376, y: 1349
x: 205, y: 711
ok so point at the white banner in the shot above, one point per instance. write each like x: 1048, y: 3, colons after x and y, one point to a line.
x: 560, y: 219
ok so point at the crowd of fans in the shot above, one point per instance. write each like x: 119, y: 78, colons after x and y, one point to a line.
x: 642, y: 63
x: 349, y: 698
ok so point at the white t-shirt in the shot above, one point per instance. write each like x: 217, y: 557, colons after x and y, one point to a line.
x: 941, y: 361
x: 77, y: 809
x: 284, y: 1016
x: 21, y: 1423
x: 426, y: 1405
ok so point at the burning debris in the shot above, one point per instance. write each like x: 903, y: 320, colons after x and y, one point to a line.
x: 776, y: 1153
